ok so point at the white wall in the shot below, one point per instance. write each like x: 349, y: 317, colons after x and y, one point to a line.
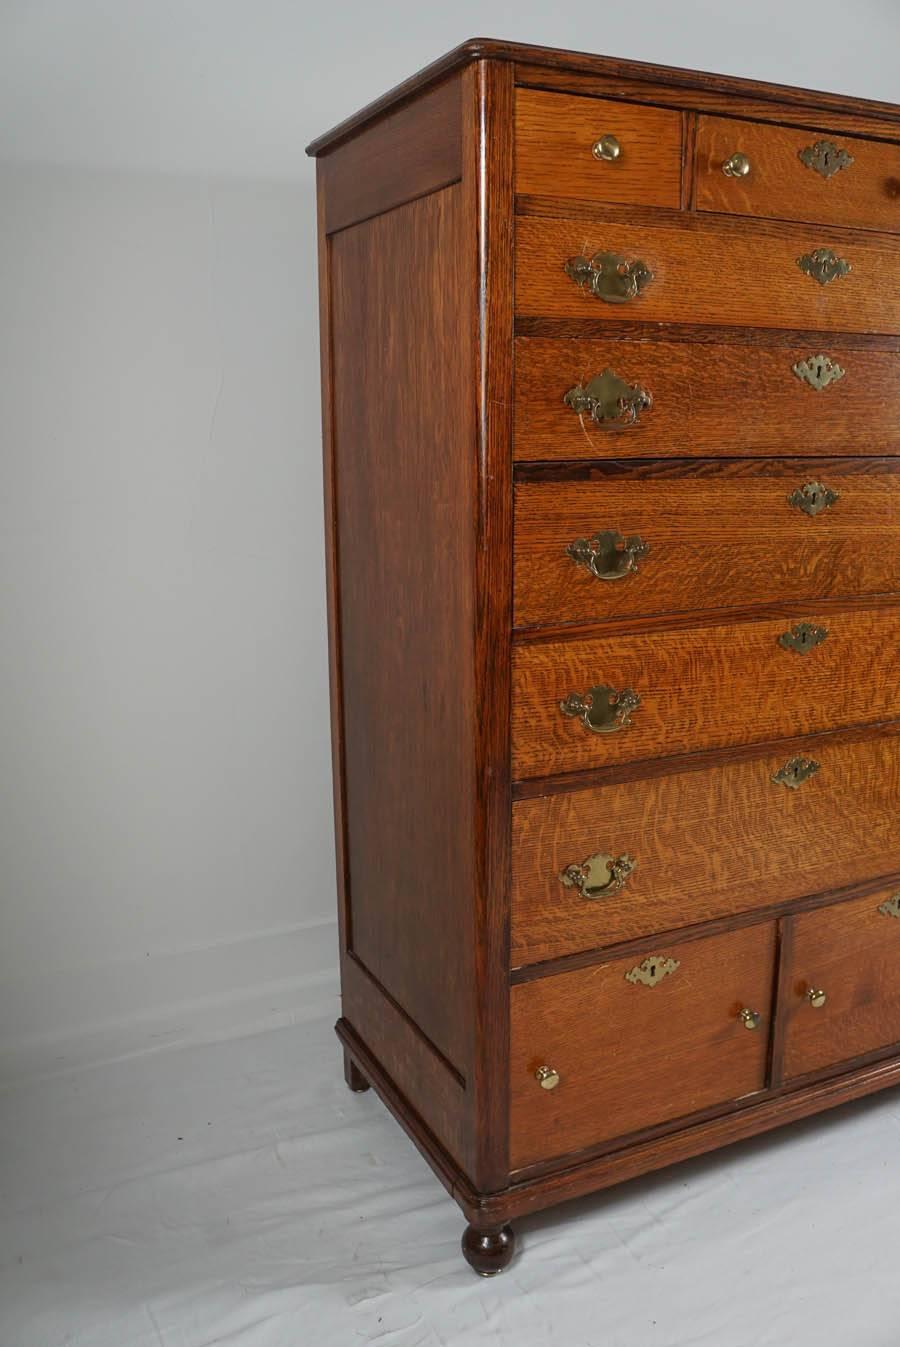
x: 166, y: 858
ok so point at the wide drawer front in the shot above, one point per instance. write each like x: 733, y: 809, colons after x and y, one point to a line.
x: 841, y: 995
x: 602, y: 399
x: 587, y: 703
x: 778, y: 172
x: 597, y: 149
x: 637, y: 1042
x: 690, y: 271
x: 613, y: 540
x: 600, y: 866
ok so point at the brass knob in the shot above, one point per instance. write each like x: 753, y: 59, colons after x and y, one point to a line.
x: 751, y: 1019
x: 546, y: 1077
x: 737, y: 166
x: 607, y: 147
x: 816, y: 997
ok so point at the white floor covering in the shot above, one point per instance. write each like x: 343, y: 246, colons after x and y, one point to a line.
x: 238, y: 1193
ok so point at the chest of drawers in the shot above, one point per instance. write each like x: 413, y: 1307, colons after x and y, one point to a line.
x: 611, y: 392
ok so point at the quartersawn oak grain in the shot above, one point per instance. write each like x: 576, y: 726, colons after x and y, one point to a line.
x: 709, y: 271
x: 709, y: 400
x: 704, y: 687
x: 709, y: 843
x: 864, y: 194
x: 403, y: 427
x: 630, y: 1056
x: 721, y: 534
x: 555, y: 135
x: 850, y: 951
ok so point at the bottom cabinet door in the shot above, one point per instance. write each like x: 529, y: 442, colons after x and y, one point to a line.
x: 602, y: 1052
x: 841, y: 994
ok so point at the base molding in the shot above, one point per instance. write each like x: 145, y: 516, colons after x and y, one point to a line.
x: 577, y: 1178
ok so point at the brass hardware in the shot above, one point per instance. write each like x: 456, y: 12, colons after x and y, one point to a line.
x: 736, y: 166
x: 611, y: 402
x: 603, y: 710
x: 825, y: 158
x: 794, y: 773
x: 818, y: 371
x: 891, y: 906
x: 607, y: 555
x: 598, y: 876
x: 751, y: 1019
x: 609, y: 277
x: 546, y: 1077
x: 816, y: 997
x: 652, y: 971
x: 813, y: 498
x: 824, y: 265
x: 803, y: 637
x: 608, y: 148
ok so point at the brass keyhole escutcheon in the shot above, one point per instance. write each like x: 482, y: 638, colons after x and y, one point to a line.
x: 813, y: 498
x: 802, y: 638
x: 795, y: 772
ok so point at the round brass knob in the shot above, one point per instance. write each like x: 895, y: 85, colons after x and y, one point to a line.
x: 816, y: 997
x: 738, y: 166
x: 751, y: 1019
x: 607, y: 147
x: 546, y: 1077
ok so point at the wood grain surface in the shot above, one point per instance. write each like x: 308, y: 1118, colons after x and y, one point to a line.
x: 707, y: 844
x: 555, y: 135
x: 850, y: 951
x: 404, y: 429
x: 706, y: 271
x: 704, y: 687
x: 864, y: 194
x: 630, y: 1056
x: 720, y: 534
x: 713, y: 399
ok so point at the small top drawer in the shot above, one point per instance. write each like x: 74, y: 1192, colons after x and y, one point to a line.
x: 780, y: 173
x: 595, y: 149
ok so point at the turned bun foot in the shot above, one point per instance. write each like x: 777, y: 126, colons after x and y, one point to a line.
x: 488, y: 1251
x: 353, y: 1076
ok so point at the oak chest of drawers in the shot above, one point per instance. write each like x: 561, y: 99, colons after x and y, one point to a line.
x: 611, y: 389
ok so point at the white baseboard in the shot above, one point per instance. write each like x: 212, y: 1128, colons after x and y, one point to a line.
x: 205, y: 994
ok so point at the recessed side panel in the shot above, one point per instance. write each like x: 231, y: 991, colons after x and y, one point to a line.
x: 404, y: 464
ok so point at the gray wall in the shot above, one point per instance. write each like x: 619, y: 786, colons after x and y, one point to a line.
x: 167, y: 859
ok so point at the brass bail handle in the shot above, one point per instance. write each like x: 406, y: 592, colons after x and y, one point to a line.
x: 599, y: 876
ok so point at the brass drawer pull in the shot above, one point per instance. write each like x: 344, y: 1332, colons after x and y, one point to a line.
x: 603, y: 710
x: 816, y: 998
x: 794, y: 773
x: 890, y: 907
x: 803, y: 637
x: 818, y: 371
x: 813, y: 498
x: 751, y: 1019
x: 609, y: 277
x: 736, y: 165
x: 599, y: 876
x: 651, y: 972
x: 607, y: 148
x: 825, y: 158
x: 547, y: 1077
x: 610, y: 402
x: 824, y: 265
x: 608, y: 555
